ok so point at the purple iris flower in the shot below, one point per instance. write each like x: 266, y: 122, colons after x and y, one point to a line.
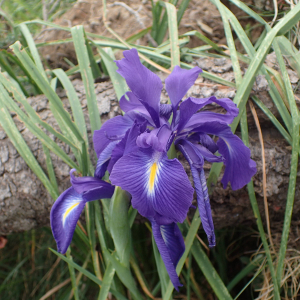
x: 134, y: 149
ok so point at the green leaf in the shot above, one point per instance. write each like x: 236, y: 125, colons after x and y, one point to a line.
x: 87, y: 274
x: 173, y: 34
x: 107, y: 281
x: 87, y: 76
x: 209, y: 272
x: 119, y: 226
x: 50, y: 169
x: 124, y: 275
x: 45, y: 87
x: 34, y: 52
x: 74, y: 101
x: 290, y: 52
x: 33, y: 120
x: 17, y: 140
x: 294, y: 162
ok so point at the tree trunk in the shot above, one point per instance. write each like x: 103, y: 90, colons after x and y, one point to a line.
x: 25, y: 203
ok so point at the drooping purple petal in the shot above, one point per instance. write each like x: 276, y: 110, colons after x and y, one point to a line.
x: 239, y: 166
x: 144, y: 84
x: 179, y: 82
x: 67, y: 208
x: 190, y: 106
x: 202, y: 193
x: 112, y: 130
x: 92, y: 188
x: 170, y: 244
x: 156, y: 184
x: 64, y: 216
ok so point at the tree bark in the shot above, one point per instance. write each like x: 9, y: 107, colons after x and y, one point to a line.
x: 25, y: 203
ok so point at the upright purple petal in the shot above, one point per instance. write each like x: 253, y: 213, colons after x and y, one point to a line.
x: 64, y: 216
x: 133, y: 103
x: 156, y: 184
x: 202, y: 193
x: 239, y: 166
x: 170, y: 244
x: 144, y: 84
x: 179, y: 82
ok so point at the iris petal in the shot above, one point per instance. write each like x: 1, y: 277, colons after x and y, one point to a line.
x: 112, y: 130
x: 126, y: 145
x: 156, y: 184
x: 144, y: 84
x: 104, y: 158
x: 239, y: 166
x: 64, y: 216
x: 202, y: 193
x: 190, y: 106
x: 67, y: 208
x: 170, y: 244
x: 179, y: 82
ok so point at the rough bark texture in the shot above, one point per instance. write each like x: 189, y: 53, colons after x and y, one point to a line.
x: 25, y: 204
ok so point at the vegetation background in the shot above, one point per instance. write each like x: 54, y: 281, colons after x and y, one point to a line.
x: 257, y: 262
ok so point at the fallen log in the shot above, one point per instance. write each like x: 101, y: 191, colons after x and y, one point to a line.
x: 25, y: 203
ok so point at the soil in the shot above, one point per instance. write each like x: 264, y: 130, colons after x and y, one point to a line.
x: 201, y: 15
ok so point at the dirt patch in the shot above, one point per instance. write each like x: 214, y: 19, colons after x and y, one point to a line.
x: 125, y: 18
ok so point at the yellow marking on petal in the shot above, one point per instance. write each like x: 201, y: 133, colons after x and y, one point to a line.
x: 153, y: 171
x: 69, y: 210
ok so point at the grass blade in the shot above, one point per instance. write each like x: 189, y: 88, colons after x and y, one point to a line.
x: 33, y: 120
x: 72, y: 275
x: 45, y: 87
x: 125, y: 276
x: 17, y: 140
x: 173, y: 34
x: 87, y: 274
x: 34, y: 52
x: 256, y: 212
x: 209, y: 272
x: 87, y: 76
x: 74, y: 101
x: 294, y: 163
x: 50, y: 169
